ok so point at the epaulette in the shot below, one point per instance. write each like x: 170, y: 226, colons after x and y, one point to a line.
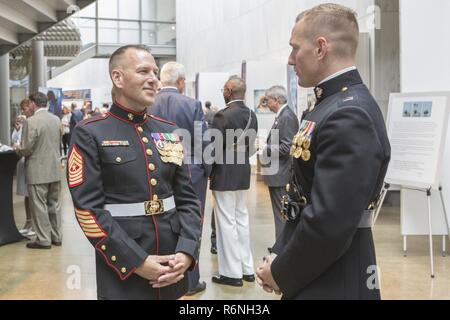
x: 94, y: 119
x: 162, y: 120
x: 346, y: 96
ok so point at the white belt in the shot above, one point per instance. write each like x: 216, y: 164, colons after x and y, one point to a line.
x: 146, y: 208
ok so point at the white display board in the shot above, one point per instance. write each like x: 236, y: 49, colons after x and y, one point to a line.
x: 417, y: 127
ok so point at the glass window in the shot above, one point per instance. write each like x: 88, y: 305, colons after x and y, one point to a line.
x: 87, y: 30
x: 107, y: 9
x: 107, y: 31
x: 166, y: 34
x: 148, y: 33
x: 88, y: 11
x: 129, y: 32
x: 158, y: 10
x: 129, y: 9
x: 158, y: 33
x: 149, y: 9
x: 113, y: 30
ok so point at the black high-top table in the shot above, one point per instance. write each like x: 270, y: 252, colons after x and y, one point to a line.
x: 8, y: 228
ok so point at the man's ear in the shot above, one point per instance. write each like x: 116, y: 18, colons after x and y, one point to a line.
x: 322, y: 48
x: 117, y: 78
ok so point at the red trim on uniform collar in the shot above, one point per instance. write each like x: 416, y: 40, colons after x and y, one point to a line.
x: 161, y: 119
x: 119, y: 111
x: 129, y: 110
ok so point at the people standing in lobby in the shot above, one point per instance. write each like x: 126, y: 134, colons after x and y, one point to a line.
x: 77, y: 116
x: 40, y: 145
x: 187, y: 113
x: 209, y: 113
x: 230, y: 179
x: 209, y: 117
x: 65, y: 129
x: 341, y: 152
x: 22, y: 188
x: 276, y: 161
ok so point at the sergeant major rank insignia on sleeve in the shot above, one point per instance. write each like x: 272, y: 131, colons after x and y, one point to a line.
x: 75, y: 168
x: 302, y: 141
x: 169, y: 147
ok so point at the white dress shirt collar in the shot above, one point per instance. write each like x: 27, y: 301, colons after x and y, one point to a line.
x: 337, y: 74
x: 40, y: 110
x: 281, y: 110
x: 169, y: 87
x: 234, y: 101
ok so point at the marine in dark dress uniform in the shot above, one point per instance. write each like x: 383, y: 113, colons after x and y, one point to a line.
x: 132, y: 193
x: 341, y: 154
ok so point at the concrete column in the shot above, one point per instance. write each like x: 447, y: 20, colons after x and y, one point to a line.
x: 38, y: 66
x: 386, y: 71
x: 5, y: 108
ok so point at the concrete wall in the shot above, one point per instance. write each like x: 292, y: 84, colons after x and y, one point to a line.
x: 215, y: 36
x: 425, y: 66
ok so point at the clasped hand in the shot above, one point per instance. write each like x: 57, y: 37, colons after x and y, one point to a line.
x: 163, y: 271
x: 264, y: 275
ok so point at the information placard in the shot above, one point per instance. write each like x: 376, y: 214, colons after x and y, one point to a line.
x: 417, y: 127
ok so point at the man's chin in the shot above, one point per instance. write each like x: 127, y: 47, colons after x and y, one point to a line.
x: 147, y: 101
x: 304, y: 84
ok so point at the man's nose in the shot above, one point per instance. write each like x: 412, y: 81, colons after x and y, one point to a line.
x: 291, y: 60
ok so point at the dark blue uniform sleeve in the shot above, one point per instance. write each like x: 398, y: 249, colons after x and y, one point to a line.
x: 349, y: 158
x: 188, y: 213
x: 120, y: 251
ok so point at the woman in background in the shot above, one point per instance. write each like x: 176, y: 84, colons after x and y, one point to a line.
x: 65, y: 129
x: 22, y: 189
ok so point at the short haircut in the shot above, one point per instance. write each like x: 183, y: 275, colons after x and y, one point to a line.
x: 115, y: 57
x: 207, y: 104
x: 237, y: 85
x: 25, y: 103
x: 338, y: 24
x: 39, y: 99
x: 171, y: 72
x: 277, y: 92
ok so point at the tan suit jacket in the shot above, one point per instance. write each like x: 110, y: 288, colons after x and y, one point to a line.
x: 41, y: 141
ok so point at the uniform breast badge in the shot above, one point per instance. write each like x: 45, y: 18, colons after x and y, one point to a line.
x: 169, y: 147
x: 302, y: 141
x: 319, y: 92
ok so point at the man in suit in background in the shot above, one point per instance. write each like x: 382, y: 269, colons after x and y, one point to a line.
x: 209, y: 113
x: 230, y: 178
x: 41, y: 140
x: 276, y: 162
x: 76, y: 117
x: 186, y: 113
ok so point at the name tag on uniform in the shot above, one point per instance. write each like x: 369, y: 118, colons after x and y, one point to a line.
x: 110, y: 143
